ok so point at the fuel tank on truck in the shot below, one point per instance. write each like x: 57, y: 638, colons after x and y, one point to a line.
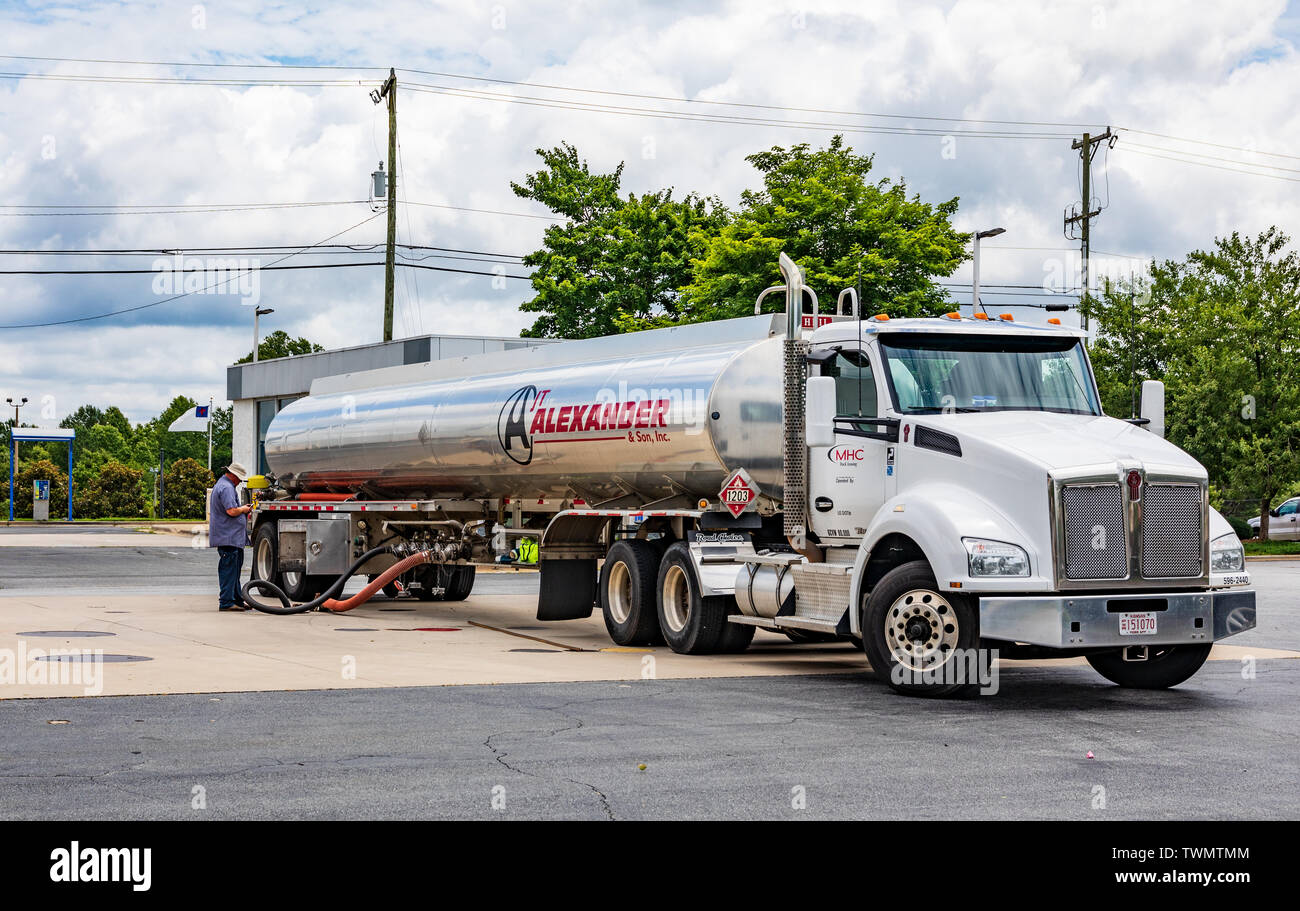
x: 653, y: 413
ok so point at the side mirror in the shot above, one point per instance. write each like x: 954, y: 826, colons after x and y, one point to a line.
x: 819, y: 411
x: 1153, y: 406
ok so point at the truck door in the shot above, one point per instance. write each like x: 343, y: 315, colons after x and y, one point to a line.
x: 849, y: 481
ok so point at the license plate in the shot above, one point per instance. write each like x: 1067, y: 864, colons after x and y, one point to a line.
x: 1138, y: 624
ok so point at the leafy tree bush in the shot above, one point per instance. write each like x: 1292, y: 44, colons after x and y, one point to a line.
x: 39, y: 470
x: 116, y: 491
x: 186, y: 482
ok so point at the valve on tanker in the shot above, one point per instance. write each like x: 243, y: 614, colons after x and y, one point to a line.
x: 256, y: 485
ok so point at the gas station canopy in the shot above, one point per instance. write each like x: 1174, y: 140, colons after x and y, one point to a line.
x: 39, y: 435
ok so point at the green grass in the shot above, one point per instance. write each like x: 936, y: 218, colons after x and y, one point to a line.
x: 1271, y: 548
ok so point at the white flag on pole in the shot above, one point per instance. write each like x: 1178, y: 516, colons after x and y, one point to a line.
x: 194, y: 419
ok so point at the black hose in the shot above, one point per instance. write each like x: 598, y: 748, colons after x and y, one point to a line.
x: 266, y: 585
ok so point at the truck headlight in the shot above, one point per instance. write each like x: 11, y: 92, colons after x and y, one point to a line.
x: 995, y: 558
x: 1227, y: 555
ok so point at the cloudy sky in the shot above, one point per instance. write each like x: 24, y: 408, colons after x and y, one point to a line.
x: 971, y: 99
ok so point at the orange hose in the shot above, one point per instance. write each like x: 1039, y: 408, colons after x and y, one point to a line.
x: 387, y: 576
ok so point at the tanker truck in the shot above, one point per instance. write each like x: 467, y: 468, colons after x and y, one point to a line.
x: 940, y: 491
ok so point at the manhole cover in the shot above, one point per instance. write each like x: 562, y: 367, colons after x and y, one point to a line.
x: 67, y: 633
x: 90, y: 656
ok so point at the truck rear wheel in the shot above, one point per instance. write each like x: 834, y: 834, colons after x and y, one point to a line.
x: 627, y: 593
x: 919, y: 640
x: 1165, y: 666
x: 735, y: 638
x: 691, y: 623
x: 297, y: 586
x: 460, y: 584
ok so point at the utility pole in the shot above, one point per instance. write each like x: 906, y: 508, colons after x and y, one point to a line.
x: 1083, y: 218
x: 389, y: 91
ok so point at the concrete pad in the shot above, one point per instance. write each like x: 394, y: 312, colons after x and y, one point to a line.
x: 196, y: 649
x: 486, y: 639
x: 91, y: 539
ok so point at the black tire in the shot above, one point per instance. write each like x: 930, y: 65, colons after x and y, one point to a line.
x: 736, y: 637
x: 460, y: 584
x: 429, y: 578
x: 299, y: 587
x: 1166, y: 666
x: 265, y: 553
x: 691, y: 624
x: 928, y: 626
x: 632, y: 567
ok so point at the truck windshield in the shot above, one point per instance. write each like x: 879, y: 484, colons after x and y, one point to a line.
x: 950, y: 372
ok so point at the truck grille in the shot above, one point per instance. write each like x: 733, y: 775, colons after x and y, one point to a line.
x: 1094, y: 532
x: 1171, y: 531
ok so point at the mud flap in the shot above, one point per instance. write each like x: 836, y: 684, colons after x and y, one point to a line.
x: 568, y: 589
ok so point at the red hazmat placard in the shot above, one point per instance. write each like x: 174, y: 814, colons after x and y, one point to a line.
x: 739, y: 493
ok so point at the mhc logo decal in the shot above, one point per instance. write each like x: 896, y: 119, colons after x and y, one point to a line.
x: 512, y: 425
x: 846, y: 455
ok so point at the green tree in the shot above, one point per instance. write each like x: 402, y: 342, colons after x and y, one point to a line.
x: 1222, y: 327
x: 820, y: 208
x: 116, y: 491
x: 614, y: 261
x: 278, y: 344
x: 39, y: 469
x: 185, y: 484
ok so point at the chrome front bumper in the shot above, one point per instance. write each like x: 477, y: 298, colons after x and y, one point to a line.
x: 1088, y: 621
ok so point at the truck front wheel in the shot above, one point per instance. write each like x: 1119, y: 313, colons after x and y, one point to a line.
x: 920, y: 640
x: 1165, y: 666
x: 692, y: 624
x: 627, y: 593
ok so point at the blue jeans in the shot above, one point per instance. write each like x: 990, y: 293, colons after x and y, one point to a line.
x: 228, y: 571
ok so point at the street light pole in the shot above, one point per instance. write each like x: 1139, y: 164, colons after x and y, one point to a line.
x: 16, y: 406
x: 258, y: 312
x: 975, y: 266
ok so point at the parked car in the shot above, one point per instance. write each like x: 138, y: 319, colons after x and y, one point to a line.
x: 1284, y: 524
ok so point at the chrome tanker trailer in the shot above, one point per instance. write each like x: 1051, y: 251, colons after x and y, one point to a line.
x: 940, y: 490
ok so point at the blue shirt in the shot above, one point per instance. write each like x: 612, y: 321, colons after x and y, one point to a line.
x: 226, y: 530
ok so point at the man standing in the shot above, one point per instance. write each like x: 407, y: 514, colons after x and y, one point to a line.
x: 228, y: 533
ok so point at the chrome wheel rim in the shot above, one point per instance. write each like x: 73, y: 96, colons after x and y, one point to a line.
x: 263, y: 560
x: 921, y: 630
x: 677, y: 599
x: 619, y: 590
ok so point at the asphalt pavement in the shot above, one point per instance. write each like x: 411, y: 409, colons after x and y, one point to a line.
x: 1223, y: 745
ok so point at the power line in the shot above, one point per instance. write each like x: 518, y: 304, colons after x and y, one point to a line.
x: 1249, y: 164
x: 1217, y: 145
x: 258, y: 268
x: 554, y: 87
x: 207, y: 208
x: 660, y: 114
x: 316, y: 249
x: 84, y: 319
x: 1217, y: 167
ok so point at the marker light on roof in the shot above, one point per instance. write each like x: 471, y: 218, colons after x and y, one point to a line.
x: 1007, y: 316
x: 952, y: 316
x: 882, y: 317
x: 980, y: 315
x: 1054, y: 321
